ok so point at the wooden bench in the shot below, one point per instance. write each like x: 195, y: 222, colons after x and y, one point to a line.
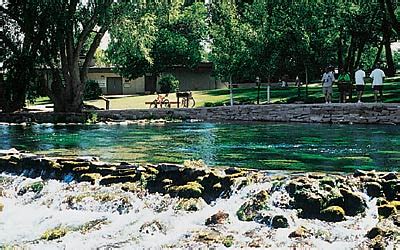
x: 170, y: 103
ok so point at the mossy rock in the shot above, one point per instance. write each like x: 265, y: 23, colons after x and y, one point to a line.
x: 81, y: 170
x: 219, y: 218
x: 90, y: 177
x: 381, y: 201
x: 389, y: 176
x: 386, y: 210
x: 300, y: 232
x: 153, y: 227
x: 374, y: 189
x: 279, y: 221
x: 396, y: 204
x: 333, y: 214
x: 375, y: 231
x: 353, y: 203
x: 54, y: 233
x: 391, y: 189
x: 190, y: 205
x: 297, y: 185
x: 152, y: 170
x: 249, y: 210
x: 35, y: 187
x: 166, y: 182
x: 92, y: 225
x: 117, y: 179
x: 228, y: 241
x: 328, y: 181
x: 310, y: 203
x: 189, y: 190
x: 334, y: 198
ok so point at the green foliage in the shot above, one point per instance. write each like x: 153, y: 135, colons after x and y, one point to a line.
x: 92, y: 118
x: 92, y: 90
x: 168, y: 83
x: 158, y: 36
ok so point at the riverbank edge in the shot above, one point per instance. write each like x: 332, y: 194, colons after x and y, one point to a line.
x: 369, y: 113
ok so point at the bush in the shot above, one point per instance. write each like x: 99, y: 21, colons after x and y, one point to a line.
x: 92, y: 90
x: 168, y: 83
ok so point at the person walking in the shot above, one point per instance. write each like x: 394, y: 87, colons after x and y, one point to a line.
x: 344, y: 85
x: 359, y: 76
x: 327, y: 80
x: 377, y: 76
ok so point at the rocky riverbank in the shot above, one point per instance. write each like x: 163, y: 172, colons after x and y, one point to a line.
x: 86, y: 203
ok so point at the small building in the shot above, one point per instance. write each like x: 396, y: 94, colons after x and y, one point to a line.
x: 111, y: 83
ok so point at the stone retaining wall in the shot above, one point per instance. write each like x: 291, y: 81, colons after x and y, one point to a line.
x: 306, y: 113
x: 333, y: 113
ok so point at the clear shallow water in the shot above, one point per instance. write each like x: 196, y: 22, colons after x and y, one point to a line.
x: 254, y: 145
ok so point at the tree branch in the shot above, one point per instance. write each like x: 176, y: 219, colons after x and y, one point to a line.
x: 89, y: 55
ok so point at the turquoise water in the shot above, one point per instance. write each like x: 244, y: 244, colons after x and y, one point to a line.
x: 253, y: 145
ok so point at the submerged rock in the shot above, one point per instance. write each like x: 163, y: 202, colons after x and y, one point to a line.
x: 35, y: 187
x: 375, y: 231
x: 300, y: 232
x: 54, y: 233
x: 250, y: 209
x: 219, y: 218
x: 153, y: 227
x: 191, y: 204
x: 279, y: 221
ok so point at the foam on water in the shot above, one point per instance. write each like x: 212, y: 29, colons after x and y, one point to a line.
x: 26, y: 217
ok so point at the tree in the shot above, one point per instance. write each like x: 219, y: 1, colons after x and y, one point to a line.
x: 25, y: 25
x: 72, y: 26
x: 53, y: 36
x: 229, y: 37
x: 158, y: 36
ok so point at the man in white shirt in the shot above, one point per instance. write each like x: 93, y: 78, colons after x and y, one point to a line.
x: 377, y: 83
x: 327, y: 80
x: 360, y: 83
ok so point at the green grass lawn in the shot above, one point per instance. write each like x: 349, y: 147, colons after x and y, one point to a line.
x: 220, y: 97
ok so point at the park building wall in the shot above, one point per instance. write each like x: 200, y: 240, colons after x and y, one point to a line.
x: 111, y: 83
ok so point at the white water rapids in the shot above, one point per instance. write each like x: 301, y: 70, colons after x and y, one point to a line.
x: 120, y: 215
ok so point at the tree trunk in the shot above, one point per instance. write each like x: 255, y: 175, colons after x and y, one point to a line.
x: 340, y: 50
x: 378, y: 54
x: 387, y: 32
x: 16, y: 85
x: 391, y: 69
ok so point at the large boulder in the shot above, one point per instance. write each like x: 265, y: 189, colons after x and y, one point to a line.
x: 353, y: 203
x: 374, y: 189
x: 309, y: 202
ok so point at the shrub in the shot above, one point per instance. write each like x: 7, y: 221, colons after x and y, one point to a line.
x: 92, y: 90
x: 168, y: 83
